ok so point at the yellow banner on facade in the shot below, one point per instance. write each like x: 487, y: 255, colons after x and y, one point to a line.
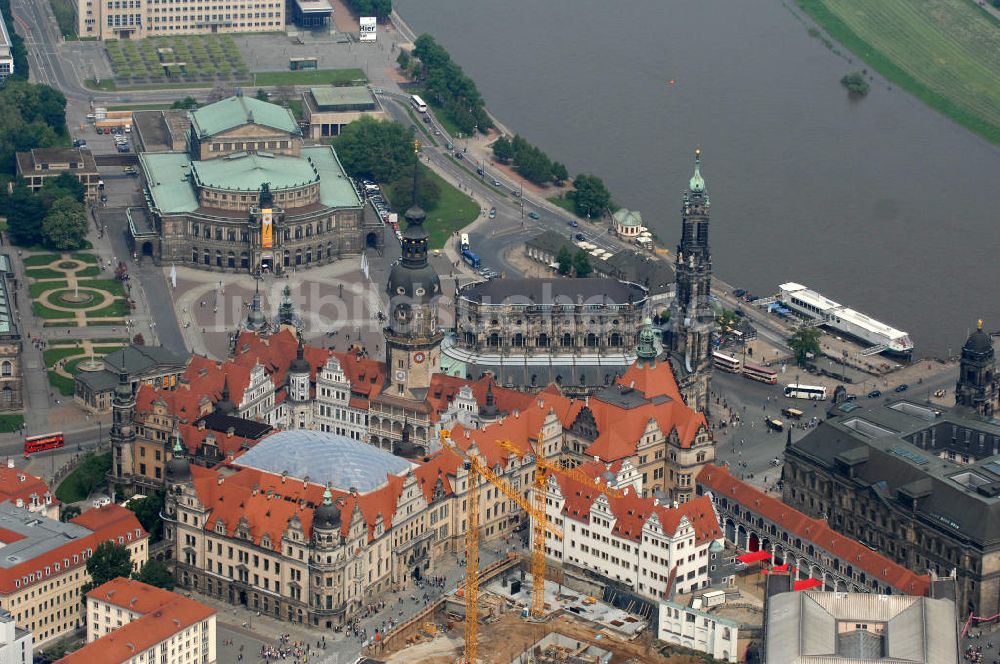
x: 267, y: 236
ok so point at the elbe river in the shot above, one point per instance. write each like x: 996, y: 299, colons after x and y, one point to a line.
x: 881, y: 203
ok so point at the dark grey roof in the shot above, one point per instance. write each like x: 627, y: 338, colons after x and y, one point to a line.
x: 98, y: 381
x: 38, y: 534
x: 137, y: 359
x: 978, y: 342
x: 626, y: 397
x: 551, y: 242
x: 903, y: 462
x: 554, y: 291
x: 574, y: 377
x: 222, y: 423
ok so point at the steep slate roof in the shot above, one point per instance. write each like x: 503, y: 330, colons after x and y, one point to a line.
x: 164, y: 614
x: 718, y: 480
x: 236, y: 111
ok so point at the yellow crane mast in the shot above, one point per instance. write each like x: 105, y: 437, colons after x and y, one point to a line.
x: 544, y: 467
x: 478, y: 470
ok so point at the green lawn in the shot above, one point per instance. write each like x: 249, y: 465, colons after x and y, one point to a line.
x: 944, y: 52
x: 65, y: 17
x: 113, y: 286
x: 454, y: 211
x: 11, y: 422
x: 39, y: 259
x: 88, y: 476
x: 44, y: 286
x: 311, y: 77
x: 564, y: 203
x: 52, y: 355
x: 62, y: 384
x: 45, y: 273
x: 90, y: 259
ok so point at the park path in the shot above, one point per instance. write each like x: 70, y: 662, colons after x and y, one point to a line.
x: 102, y: 298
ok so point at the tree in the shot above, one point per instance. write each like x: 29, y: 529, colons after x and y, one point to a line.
x: 191, y: 102
x: 565, y: 260
x: 590, y: 196
x: 403, y: 59
x: 139, y: 340
x: 25, y: 212
x: 447, y: 85
x: 65, y: 226
x: 109, y: 561
x: 855, y: 83
x: 68, y: 512
x: 147, y: 511
x: 376, y: 149
x: 261, y: 95
x: 581, y: 263
x: 559, y: 173
x: 805, y: 343
x: 62, y: 186
x: 502, y: 150
x: 156, y: 574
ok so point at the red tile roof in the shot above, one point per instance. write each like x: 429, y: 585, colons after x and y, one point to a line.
x: 720, y: 482
x: 620, y: 429
x: 653, y: 380
x: 164, y: 614
x: 16, y: 484
x: 632, y: 511
x: 107, y: 523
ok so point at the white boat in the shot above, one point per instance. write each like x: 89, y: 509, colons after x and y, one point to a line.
x: 879, y: 336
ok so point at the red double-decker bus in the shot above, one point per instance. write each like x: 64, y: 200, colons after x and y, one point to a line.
x: 46, y: 441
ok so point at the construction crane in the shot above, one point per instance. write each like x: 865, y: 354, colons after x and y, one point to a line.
x: 543, y: 468
x: 477, y: 469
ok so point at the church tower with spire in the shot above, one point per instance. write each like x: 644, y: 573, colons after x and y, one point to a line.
x: 123, y: 431
x: 976, y: 388
x: 689, y: 330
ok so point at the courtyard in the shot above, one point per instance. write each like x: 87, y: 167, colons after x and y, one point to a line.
x: 65, y: 359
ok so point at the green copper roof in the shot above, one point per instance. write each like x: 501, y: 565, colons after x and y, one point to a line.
x: 167, y: 178
x: 172, y: 176
x: 697, y: 183
x: 624, y: 217
x: 345, y: 96
x: 236, y: 111
x: 247, y: 171
x: 646, y: 350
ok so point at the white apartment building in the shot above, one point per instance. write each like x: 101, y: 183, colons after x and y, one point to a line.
x: 130, y: 621
x: 653, y: 548
x: 335, y: 410
x: 135, y: 19
x: 6, y: 52
x: 16, y: 644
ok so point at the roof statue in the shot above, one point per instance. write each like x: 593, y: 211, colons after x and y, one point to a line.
x: 286, y: 310
x: 646, y: 350
x: 266, y: 197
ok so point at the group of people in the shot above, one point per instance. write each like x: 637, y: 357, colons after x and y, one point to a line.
x: 298, y: 651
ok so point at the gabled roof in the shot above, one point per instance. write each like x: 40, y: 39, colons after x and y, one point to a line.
x: 164, y: 614
x: 16, y: 484
x: 237, y: 111
x: 632, y: 511
x: 718, y: 480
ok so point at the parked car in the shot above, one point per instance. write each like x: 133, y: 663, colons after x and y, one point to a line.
x: 573, y: 223
x: 480, y: 171
x: 459, y: 155
x: 496, y: 183
x: 902, y: 387
x: 580, y: 237
x: 533, y: 215
x: 874, y: 394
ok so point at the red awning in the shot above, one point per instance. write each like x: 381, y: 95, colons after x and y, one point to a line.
x: 780, y: 568
x: 806, y: 584
x: 754, y: 557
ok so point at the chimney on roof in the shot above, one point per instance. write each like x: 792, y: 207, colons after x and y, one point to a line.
x: 353, y: 491
x: 10, y: 463
x: 20, y: 477
x: 220, y: 480
x: 656, y: 501
x: 254, y: 490
x: 201, y: 425
x: 270, y: 494
x: 674, y: 505
x: 230, y: 432
x: 284, y: 476
x: 516, y: 413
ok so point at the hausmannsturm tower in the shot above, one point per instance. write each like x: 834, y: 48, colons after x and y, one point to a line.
x: 689, y: 330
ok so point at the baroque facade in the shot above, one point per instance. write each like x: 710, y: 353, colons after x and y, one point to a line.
x: 248, y: 196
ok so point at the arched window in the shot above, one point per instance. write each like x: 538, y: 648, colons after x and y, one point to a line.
x: 591, y: 340
x: 286, y: 258
x: 244, y: 259
x: 309, y: 255
x: 518, y: 340
x: 298, y: 257
x: 543, y: 340
x: 207, y: 257
x: 218, y: 258
x: 493, y: 341
x: 616, y: 340
x: 567, y: 340
x: 194, y: 230
x: 231, y: 260
x: 6, y: 369
x: 194, y: 254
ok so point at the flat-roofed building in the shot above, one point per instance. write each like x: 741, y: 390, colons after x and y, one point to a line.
x: 328, y: 109
x: 130, y: 621
x: 16, y: 644
x: 40, y: 164
x: 845, y: 628
x: 43, y: 566
x: 135, y: 19
x: 311, y: 14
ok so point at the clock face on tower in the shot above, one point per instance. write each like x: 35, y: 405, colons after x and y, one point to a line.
x: 419, y: 357
x: 400, y: 376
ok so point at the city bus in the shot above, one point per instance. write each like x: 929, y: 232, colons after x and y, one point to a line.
x: 774, y: 424
x: 792, y: 413
x: 726, y: 363
x: 47, y: 441
x: 760, y: 374
x: 805, y: 392
x: 418, y: 103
